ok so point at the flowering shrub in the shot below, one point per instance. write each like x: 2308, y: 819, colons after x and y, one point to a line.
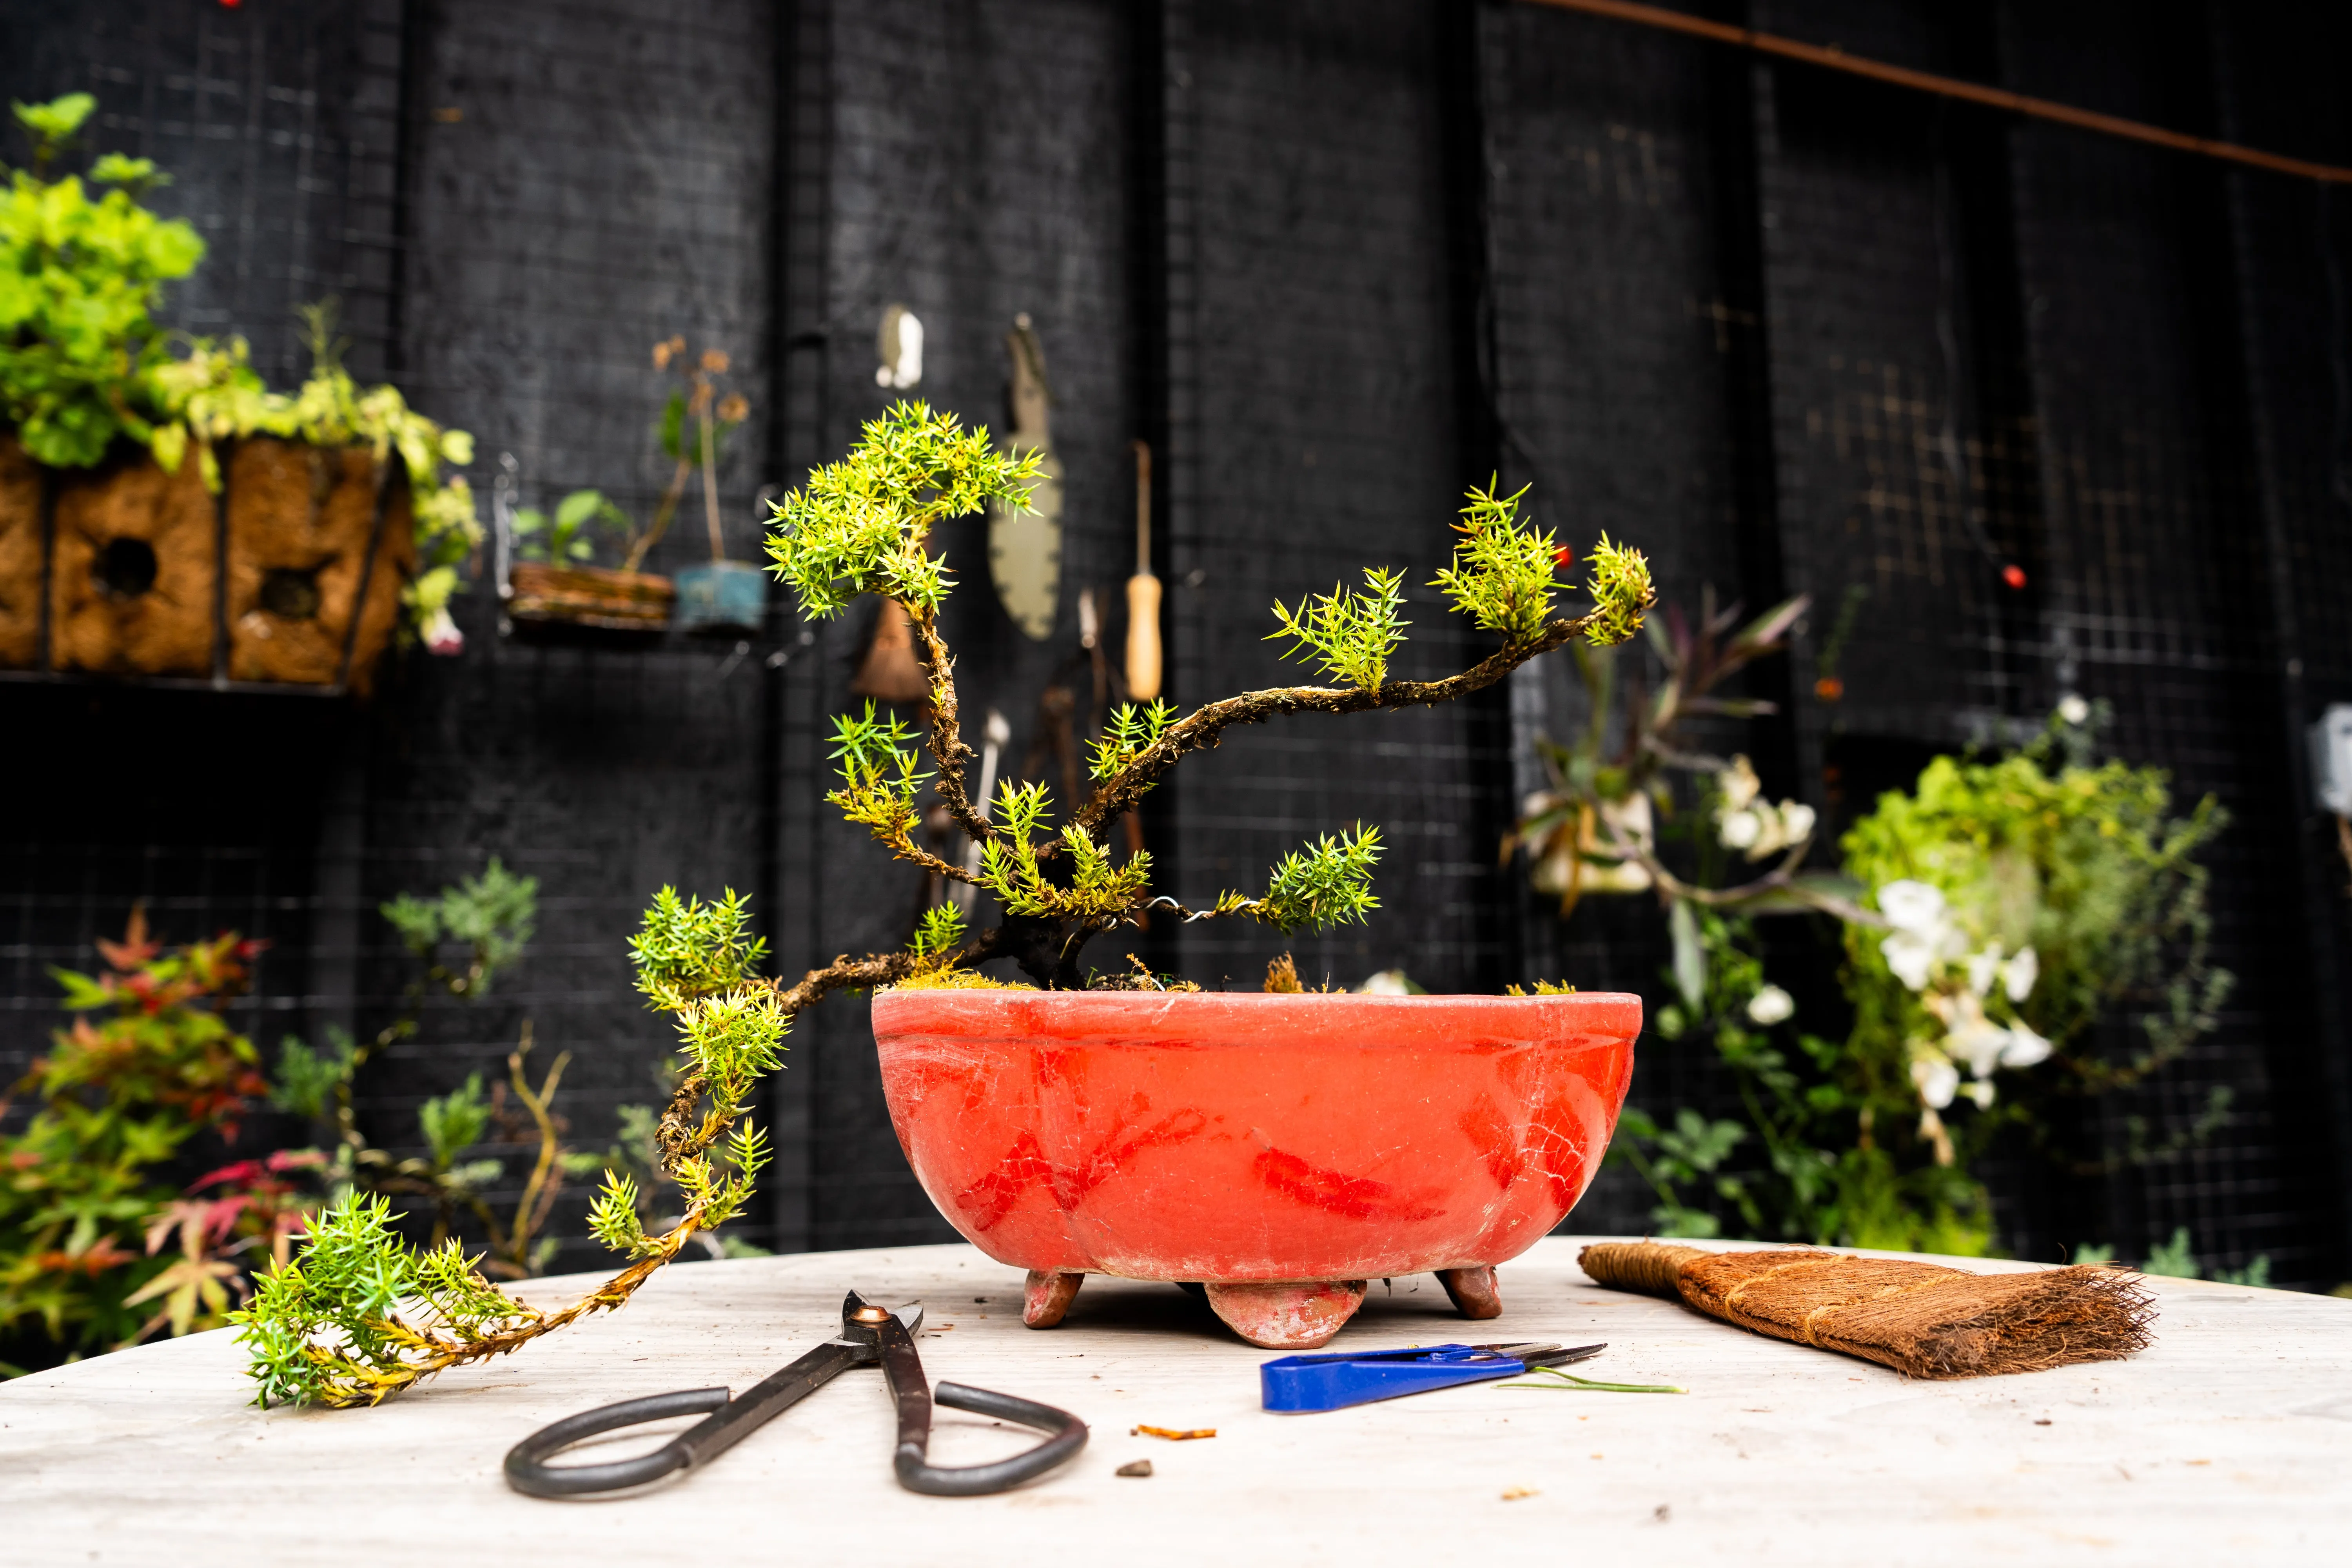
x: 2006, y: 905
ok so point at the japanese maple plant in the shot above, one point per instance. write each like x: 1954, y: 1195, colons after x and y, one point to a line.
x: 360, y: 1314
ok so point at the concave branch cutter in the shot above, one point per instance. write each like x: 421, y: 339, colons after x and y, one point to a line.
x: 870, y: 1336
x: 1335, y: 1381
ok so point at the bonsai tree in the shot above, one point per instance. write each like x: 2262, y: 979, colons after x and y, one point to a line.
x: 360, y: 1314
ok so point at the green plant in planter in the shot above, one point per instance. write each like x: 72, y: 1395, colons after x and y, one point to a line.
x: 569, y: 537
x: 324, y: 1327
x: 79, y: 273
x: 83, y: 364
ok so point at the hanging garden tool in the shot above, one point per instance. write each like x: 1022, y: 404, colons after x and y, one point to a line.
x: 1142, y: 591
x: 1024, y: 541
x: 870, y: 1336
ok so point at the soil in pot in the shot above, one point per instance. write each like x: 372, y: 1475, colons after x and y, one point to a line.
x: 134, y: 570
x: 303, y: 524
x: 595, y: 598
x: 20, y: 557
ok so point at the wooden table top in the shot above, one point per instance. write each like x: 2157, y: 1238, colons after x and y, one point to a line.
x: 2229, y: 1441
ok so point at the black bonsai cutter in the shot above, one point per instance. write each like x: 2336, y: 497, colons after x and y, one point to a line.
x: 870, y: 1336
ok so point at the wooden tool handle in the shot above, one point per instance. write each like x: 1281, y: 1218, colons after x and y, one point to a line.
x: 1142, y: 591
x: 1143, y: 637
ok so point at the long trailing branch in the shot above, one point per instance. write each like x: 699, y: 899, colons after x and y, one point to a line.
x: 1202, y: 729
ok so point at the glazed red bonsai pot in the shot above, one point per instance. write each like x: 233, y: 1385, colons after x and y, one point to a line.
x: 1280, y: 1150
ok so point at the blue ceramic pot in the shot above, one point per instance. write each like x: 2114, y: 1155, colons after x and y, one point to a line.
x: 725, y: 596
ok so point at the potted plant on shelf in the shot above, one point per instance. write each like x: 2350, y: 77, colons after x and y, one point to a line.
x: 1279, y: 1149
x: 119, y: 554
x: 552, y: 583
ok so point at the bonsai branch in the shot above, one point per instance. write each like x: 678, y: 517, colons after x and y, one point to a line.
x: 1200, y: 729
x: 945, y: 737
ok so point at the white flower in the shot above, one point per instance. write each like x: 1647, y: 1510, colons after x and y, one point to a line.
x: 1981, y: 1092
x: 1741, y: 829
x: 1937, y: 1080
x: 1797, y: 820
x: 2073, y: 709
x: 1983, y: 969
x: 442, y: 635
x: 1739, y: 784
x: 2018, y: 975
x: 1909, y: 957
x: 1770, y: 1006
x: 1924, y: 935
x: 1973, y: 1037
x: 1912, y: 906
x: 1387, y: 982
x: 2024, y: 1047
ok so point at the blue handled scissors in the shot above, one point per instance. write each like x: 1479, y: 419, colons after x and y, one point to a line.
x: 1333, y: 1381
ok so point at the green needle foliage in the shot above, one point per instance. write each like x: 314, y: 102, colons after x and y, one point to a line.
x: 351, y: 1319
x: 1327, y: 883
x: 1620, y: 586
x: 880, y: 774
x: 1352, y: 634
x: 1502, y: 573
x: 859, y: 526
x: 941, y: 931
x: 687, y: 948
x: 1129, y: 730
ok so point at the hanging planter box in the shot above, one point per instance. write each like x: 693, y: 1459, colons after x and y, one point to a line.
x: 1280, y: 1150
x: 320, y: 543
x: 593, y: 598
x: 291, y: 576
x: 21, y: 555
x: 134, y: 570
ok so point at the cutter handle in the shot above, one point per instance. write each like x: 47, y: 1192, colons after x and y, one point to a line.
x: 528, y: 1472
x: 917, y: 1474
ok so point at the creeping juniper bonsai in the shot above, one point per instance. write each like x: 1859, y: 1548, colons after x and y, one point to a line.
x: 360, y: 1314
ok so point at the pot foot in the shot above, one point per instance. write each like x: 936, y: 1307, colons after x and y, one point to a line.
x: 1473, y: 1291
x: 1047, y: 1295
x: 1287, y: 1315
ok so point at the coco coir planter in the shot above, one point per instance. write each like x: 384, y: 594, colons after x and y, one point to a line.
x: 1280, y: 1150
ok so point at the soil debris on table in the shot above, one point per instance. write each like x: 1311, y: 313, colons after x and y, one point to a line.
x: 1140, y: 1468
x: 1173, y: 1434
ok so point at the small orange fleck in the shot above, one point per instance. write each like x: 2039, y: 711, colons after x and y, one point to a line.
x: 2013, y: 574
x: 1173, y: 1434
x: 1829, y: 689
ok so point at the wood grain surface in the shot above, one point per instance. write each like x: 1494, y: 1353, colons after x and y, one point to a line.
x: 2229, y: 1441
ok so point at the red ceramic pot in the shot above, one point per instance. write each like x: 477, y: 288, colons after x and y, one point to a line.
x: 1280, y: 1150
